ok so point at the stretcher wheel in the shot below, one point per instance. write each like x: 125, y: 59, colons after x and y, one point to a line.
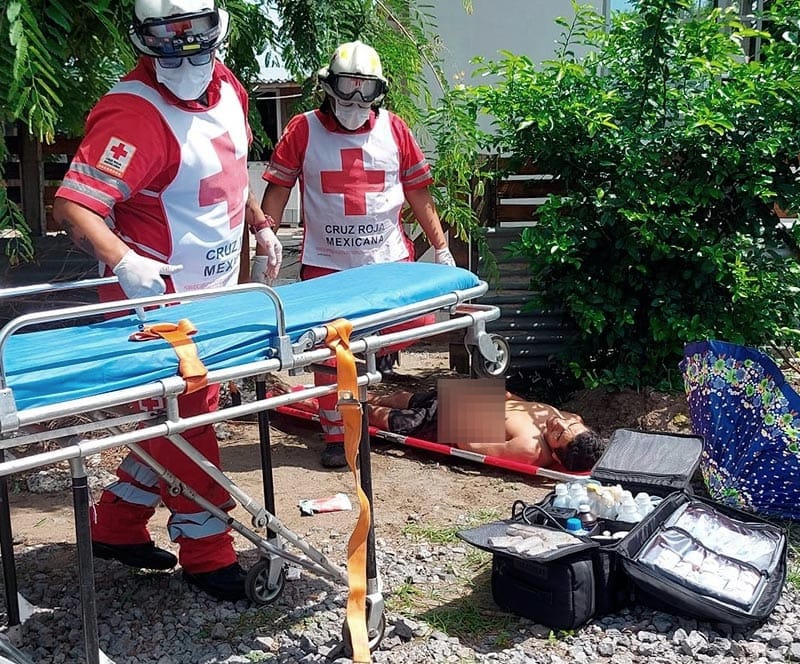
x: 257, y: 587
x: 374, y: 636
x: 484, y: 368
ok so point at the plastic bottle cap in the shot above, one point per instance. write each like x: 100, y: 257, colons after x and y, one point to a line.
x: 584, y: 508
x: 574, y: 524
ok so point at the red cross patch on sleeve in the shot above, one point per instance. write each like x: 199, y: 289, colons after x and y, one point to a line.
x: 116, y: 157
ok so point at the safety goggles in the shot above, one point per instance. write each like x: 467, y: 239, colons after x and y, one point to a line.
x: 182, y: 36
x: 196, y: 60
x: 348, y: 87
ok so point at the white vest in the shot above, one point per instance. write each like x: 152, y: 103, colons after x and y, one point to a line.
x: 205, y: 229
x: 352, y: 197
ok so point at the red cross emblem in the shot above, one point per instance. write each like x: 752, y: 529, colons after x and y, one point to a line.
x: 154, y: 403
x: 354, y: 181
x: 119, y: 151
x: 116, y: 157
x: 228, y: 184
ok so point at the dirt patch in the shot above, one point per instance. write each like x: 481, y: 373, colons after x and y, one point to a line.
x: 646, y: 409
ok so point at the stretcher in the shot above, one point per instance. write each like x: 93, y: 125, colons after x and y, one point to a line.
x: 79, y: 361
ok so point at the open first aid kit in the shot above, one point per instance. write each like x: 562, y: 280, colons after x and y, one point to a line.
x: 633, y: 531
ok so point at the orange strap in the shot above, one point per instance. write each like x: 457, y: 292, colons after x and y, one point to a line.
x: 338, y: 339
x: 190, y: 367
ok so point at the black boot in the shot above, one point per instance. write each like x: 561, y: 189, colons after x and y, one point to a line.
x: 145, y: 556
x: 386, y: 363
x: 226, y: 583
x: 333, y: 456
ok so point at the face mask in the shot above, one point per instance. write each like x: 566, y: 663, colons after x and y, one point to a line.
x: 351, y: 115
x: 186, y: 82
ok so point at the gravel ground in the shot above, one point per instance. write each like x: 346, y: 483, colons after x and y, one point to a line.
x: 156, y: 618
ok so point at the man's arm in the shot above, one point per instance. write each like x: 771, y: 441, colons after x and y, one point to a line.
x: 521, y: 450
x: 524, y: 442
x: 89, y: 232
x: 269, y: 251
x: 424, y: 209
x: 253, y: 215
x: 274, y: 201
x: 138, y: 276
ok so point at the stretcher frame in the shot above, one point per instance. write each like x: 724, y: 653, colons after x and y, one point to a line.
x: 266, y: 578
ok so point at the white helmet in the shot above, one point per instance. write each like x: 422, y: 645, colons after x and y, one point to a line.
x: 178, y: 28
x: 354, y: 71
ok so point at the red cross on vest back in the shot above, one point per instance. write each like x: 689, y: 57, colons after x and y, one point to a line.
x: 119, y: 151
x: 353, y: 181
x: 227, y: 185
x: 154, y: 403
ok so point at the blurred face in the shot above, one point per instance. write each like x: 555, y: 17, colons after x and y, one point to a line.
x: 561, y: 431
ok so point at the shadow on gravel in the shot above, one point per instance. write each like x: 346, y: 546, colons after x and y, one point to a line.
x: 474, y: 617
x: 155, y: 616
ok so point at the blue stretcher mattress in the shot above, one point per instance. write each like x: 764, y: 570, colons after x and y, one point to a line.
x: 52, y: 366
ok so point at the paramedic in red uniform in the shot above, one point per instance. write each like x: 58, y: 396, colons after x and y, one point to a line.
x: 357, y: 165
x: 158, y: 193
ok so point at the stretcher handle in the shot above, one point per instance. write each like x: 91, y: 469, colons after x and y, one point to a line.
x: 35, y: 289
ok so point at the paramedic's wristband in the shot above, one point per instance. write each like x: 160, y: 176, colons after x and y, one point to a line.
x: 268, y: 222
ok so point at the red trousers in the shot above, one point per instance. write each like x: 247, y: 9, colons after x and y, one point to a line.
x: 126, y: 506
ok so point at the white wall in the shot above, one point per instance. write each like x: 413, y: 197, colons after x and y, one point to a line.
x: 524, y: 27
x: 291, y: 214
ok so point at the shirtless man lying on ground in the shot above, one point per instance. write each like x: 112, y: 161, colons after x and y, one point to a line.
x: 535, y: 432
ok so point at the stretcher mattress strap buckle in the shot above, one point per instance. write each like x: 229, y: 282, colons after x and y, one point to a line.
x: 338, y: 339
x: 190, y: 366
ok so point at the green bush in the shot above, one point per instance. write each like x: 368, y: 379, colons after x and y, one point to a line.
x: 673, y: 149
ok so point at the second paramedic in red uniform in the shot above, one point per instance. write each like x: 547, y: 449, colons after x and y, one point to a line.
x: 357, y: 165
x: 158, y: 192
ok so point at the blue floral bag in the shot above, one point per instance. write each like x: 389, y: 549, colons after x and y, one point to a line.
x: 749, y: 418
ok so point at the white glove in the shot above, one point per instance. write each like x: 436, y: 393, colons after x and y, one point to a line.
x: 444, y: 257
x: 267, y: 239
x: 141, y: 277
x: 258, y: 269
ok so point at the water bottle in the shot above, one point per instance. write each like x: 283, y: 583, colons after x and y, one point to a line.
x: 606, y: 507
x: 644, y: 505
x: 593, y: 492
x: 574, y: 527
x: 588, y: 520
x: 577, y: 495
x: 628, y: 512
x: 561, y: 498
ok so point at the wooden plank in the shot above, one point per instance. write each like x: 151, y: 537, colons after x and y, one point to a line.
x: 528, y: 188
x: 507, y: 213
x: 31, y: 173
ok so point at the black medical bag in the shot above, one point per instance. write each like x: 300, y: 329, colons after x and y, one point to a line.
x: 678, y: 558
